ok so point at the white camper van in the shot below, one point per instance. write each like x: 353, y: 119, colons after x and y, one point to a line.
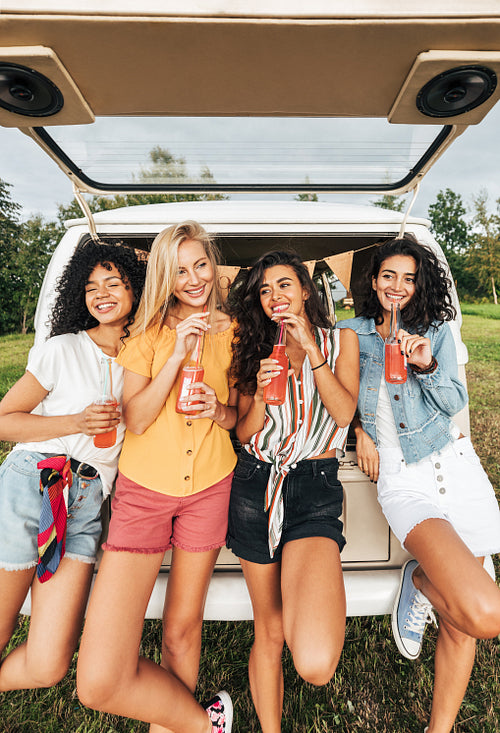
x: 231, y: 99
x: 372, y: 557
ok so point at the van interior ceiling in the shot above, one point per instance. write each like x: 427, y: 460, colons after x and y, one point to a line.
x: 242, y: 250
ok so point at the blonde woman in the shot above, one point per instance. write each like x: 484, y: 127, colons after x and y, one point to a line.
x: 172, y: 491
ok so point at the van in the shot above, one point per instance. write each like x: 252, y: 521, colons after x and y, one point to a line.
x: 320, y: 233
x: 249, y: 100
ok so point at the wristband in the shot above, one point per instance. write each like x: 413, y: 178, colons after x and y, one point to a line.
x: 319, y: 365
x: 429, y: 370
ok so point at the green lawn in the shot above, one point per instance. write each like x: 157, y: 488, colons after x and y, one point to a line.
x: 374, y: 688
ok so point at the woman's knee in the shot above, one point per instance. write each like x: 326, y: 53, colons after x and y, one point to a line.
x: 50, y: 671
x: 316, y: 666
x: 97, y: 679
x: 269, y: 634
x: 484, y: 621
x: 180, y: 635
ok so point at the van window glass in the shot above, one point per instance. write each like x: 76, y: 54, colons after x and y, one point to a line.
x: 244, y: 153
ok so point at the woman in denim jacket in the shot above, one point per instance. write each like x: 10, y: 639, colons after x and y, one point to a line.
x: 431, y: 486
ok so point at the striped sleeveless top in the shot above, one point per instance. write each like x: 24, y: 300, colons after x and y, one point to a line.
x: 301, y: 428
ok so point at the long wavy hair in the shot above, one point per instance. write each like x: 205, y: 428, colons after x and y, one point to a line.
x: 162, y: 272
x: 70, y: 313
x: 431, y: 304
x: 255, y: 332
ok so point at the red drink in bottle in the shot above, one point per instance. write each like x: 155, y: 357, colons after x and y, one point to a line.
x: 395, y: 361
x: 395, y: 364
x: 275, y: 391
x: 190, y: 374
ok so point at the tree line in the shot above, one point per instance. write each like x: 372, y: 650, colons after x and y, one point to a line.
x: 470, y: 240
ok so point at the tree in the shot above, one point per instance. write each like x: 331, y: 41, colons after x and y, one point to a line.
x: 35, y: 246
x: 164, y: 167
x: 451, y: 230
x: 10, y: 229
x: 306, y: 196
x: 484, y: 257
x: 387, y: 201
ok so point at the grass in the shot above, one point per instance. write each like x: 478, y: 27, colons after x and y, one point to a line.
x: 374, y: 688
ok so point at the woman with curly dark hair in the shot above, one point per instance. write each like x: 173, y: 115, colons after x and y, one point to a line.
x: 48, y: 541
x: 431, y: 487
x: 286, y: 500
x: 72, y: 286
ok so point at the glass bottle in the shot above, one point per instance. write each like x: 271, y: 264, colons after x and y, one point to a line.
x: 191, y: 372
x: 106, y: 440
x: 275, y: 391
x: 395, y: 361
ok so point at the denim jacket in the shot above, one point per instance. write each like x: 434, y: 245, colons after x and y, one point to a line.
x: 424, y: 404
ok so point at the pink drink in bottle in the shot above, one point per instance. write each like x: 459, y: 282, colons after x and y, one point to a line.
x: 106, y: 440
x: 275, y: 391
x: 192, y: 372
x: 395, y: 361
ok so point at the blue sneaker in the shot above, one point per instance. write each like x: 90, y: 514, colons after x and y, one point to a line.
x: 410, y: 613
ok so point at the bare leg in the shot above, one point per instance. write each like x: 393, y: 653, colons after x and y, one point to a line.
x: 111, y: 675
x: 448, y: 569
x: 468, y: 603
x: 187, y: 589
x: 453, y: 666
x: 264, y: 667
x: 314, y: 606
x: 14, y: 586
x: 57, y: 609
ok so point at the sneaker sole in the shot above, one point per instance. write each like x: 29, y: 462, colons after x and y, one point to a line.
x: 394, y: 619
x: 228, y: 709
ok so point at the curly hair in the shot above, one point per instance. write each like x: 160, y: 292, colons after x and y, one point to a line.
x: 255, y: 332
x: 70, y: 313
x: 431, y: 304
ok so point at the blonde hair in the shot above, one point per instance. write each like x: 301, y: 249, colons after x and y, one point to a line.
x: 162, y: 272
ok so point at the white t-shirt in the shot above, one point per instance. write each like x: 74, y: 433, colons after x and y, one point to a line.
x: 68, y: 366
x: 385, y: 425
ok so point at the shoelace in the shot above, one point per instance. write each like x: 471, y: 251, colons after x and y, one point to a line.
x: 419, y: 614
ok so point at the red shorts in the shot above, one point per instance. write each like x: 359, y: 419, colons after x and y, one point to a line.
x: 147, y: 521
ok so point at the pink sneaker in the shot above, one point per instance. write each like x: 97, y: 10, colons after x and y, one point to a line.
x: 220, y: 712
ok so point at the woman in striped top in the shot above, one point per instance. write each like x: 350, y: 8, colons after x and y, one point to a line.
x: 286, y: 500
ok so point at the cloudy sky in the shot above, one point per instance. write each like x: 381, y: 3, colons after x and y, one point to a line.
x: 471, y: 163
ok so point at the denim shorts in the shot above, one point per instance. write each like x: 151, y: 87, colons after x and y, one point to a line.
x: 451, y: 485
x: 147, y: 521
x: 20, y: 504
x: 312, y: 497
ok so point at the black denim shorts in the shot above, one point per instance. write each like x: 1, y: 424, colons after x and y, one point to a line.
x: 312, y: 496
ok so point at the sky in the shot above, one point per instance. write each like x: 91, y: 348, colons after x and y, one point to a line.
x: 470, y: 164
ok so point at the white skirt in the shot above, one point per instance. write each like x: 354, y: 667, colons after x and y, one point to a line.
x: 451, y: 485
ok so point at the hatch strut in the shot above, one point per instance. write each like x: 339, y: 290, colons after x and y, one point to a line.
x: 87, y: 213
x: 407, y: 212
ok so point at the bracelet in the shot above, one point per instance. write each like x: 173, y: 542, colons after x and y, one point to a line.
x: 428, y: 370
x: 319, y: 365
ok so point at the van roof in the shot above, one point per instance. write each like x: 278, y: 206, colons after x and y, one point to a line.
x: 250, y: 212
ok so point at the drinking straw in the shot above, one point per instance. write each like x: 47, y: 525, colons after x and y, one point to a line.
x: 280, y: 337
x: 198, y: 345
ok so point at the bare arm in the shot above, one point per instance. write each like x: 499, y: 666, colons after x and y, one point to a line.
x: 366, y: 451
x: 19, y: 425
x: 338, y: 390
x: 252, y: 409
